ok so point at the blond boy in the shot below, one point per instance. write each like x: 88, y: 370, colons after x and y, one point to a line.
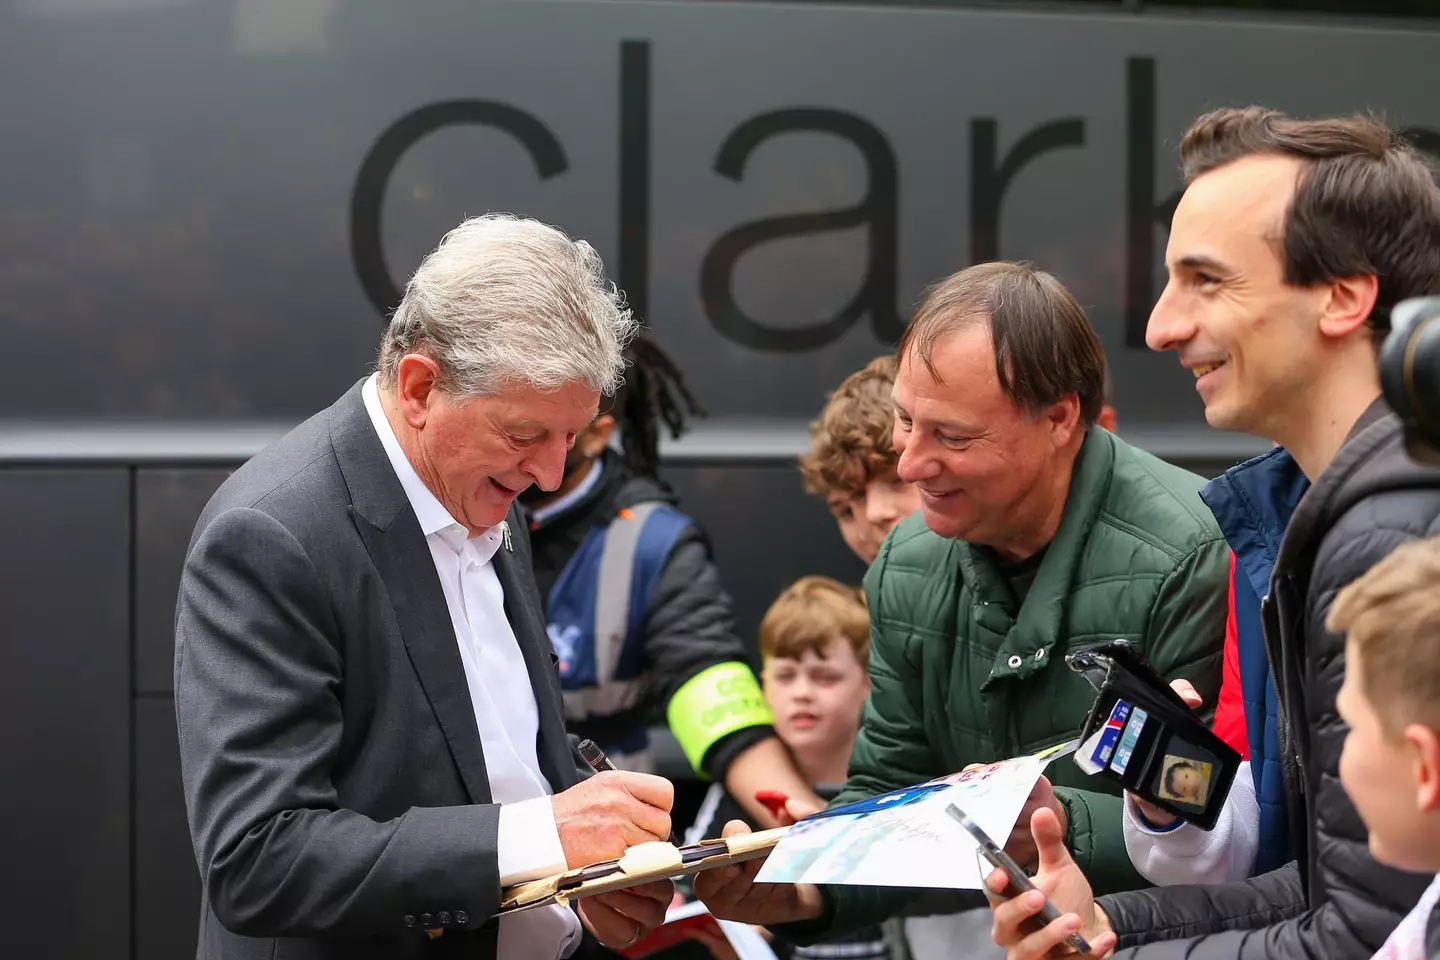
x: 1390, y: 700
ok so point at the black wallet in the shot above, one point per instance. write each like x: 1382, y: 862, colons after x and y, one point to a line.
x: 1142, y: 734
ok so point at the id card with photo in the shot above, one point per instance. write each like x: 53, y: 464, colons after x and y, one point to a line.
x: 1185, y: 774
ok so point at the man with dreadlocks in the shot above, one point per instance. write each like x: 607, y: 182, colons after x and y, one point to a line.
x: 636, y: 612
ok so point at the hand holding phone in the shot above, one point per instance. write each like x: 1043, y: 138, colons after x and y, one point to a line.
x: 1019, y: 882
x: 1028, y: 923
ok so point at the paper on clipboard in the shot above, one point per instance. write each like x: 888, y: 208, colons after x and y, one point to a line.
x: 641, y: 864
x: 904, y: 837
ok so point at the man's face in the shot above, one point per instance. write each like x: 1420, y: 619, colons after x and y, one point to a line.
x: 478, y: 455
x: 1251, y: 341
x: 817, y: 698
x: 972, y: 452
x: 867, y: 517
x: 1379, y: 771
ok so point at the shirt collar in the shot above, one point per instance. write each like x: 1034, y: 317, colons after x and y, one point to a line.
x: 431, y: 513
x: 482, y: 548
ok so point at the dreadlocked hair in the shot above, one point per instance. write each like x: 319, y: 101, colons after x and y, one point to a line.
x: 654, y: 392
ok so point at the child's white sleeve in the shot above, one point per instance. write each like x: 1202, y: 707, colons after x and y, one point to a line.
x: 1183, y: 853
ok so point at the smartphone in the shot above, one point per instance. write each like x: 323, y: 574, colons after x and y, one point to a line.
x: 1019, y: 882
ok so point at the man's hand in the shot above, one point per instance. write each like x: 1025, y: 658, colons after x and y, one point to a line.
x: 731, y: 893
x: 1021, y: 845
x: 602, y: 816
x: 621, y: 917
x: 1154, y: 815
x: 1020, y: 929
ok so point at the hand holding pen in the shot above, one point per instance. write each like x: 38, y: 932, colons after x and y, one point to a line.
x: 600, y: 763
x: 602, y: 817
x: 599, y: 819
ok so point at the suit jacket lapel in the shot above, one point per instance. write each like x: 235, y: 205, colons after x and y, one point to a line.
x: 386, y: 522
x: 522, y: 609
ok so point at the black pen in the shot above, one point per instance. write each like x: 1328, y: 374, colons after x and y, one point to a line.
x: 600, y: 763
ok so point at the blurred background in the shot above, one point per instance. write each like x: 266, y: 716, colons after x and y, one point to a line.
x: 208, y: 208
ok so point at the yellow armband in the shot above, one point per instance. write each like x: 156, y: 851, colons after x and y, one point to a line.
x: 713, y: 704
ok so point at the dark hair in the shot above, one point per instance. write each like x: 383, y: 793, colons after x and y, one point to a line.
x: 653, y: 392
x: 1366, y: 203
x: 1045, y: 348
x: 1170, y: 774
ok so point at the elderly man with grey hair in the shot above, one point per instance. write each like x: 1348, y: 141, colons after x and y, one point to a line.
x: 370, y: 721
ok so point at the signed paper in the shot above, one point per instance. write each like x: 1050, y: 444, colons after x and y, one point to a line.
x: 904, y: 838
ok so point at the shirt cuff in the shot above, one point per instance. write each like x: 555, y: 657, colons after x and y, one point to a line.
x: 529, y: 842
x: 1134, y: 814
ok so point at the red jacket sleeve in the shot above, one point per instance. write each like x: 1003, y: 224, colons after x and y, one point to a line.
x: 1230, y: 710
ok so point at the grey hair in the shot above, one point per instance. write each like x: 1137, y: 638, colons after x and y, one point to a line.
x: 505, y: 300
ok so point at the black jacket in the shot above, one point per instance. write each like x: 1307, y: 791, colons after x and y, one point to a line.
x: 1335, y: 901
x: 690, y: 625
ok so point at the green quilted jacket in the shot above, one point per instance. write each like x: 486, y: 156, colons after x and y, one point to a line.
x: 961, y: 676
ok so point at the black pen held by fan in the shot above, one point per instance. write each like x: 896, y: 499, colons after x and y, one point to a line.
x: 600, y: 763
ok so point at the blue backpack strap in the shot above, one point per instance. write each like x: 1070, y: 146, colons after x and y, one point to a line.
x: 599, y: 604
x: 571, y: 612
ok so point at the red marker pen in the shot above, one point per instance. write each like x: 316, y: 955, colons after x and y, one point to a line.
x: 773, y: 800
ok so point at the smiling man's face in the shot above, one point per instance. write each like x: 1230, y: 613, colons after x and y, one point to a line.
x: 1250, y: 339
x: 977, y: 458
x: 476, y: 455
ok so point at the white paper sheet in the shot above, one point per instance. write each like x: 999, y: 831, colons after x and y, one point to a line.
x: 905, y: 838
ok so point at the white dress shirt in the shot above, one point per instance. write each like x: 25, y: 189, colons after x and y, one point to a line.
x: 505, y: 712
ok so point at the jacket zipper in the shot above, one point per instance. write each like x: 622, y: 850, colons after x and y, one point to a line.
x: 1269, y: 612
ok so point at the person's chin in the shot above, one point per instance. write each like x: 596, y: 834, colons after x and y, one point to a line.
x: 944, y: 524
x: 1381, y: 852
x: 1223, y: 415
x: 1216, y: 416
x: 799, y: 738
x: 493, y: 506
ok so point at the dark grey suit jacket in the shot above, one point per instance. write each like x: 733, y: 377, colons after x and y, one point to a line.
x: 334, y: 777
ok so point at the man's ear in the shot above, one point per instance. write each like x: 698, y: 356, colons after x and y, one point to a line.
x: 1064, y: 418
x: 1426, y: 744
x: 597, y: 436
x: 1349, y: 304
x: 415, y: 379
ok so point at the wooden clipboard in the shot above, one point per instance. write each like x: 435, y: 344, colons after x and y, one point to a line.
x: 641, y: 864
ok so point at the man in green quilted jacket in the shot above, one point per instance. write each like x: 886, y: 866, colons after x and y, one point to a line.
x: 1040, y: 533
